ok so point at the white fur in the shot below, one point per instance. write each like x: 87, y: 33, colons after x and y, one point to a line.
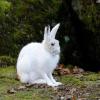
x: 37, y: 61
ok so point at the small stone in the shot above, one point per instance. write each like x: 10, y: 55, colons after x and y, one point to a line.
x: 12, y: 91
x: 62, y: 98
x: 21, y: 87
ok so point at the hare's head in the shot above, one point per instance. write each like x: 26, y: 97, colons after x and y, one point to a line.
x: 51, y: 44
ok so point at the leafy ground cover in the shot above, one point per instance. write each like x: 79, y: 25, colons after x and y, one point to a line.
x: 76, y: 86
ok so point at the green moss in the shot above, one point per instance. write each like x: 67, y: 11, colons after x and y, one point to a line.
x: 91, y: 77
x: 70, y: 79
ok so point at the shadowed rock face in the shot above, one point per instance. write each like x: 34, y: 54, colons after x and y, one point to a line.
x: 82, y: 49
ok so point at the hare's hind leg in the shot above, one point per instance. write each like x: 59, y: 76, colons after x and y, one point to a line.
x: 23, y: 69
x: 36, y: 79
x: 24, y: 78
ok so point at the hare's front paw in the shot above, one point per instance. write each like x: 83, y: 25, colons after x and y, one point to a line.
x: 53, y: 85
x: 58, y: 83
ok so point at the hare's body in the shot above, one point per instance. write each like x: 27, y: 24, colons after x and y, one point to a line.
x: 36, y: 63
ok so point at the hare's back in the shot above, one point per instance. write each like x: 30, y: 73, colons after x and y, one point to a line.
x: 32, y: 49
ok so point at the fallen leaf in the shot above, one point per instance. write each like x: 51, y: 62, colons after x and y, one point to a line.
x: 17, y: 78
x: 73, y: 98
x: 61, y: 70
x: 77, y: 70
x: 64, y: 71
x: 61, y: 66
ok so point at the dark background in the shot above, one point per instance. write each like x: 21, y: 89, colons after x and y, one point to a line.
x: 23, y: 21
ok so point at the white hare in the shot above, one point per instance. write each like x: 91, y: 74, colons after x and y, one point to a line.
x: 37, y: 61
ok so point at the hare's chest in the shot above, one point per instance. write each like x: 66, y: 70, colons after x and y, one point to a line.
x: 51, y: 63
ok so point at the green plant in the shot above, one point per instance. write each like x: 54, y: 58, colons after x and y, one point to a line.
x: 6, y: 61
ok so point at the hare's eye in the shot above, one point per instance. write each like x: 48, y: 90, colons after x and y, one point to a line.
x: 52, y: 44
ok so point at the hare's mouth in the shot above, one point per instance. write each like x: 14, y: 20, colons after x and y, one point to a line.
x: 55, y: 52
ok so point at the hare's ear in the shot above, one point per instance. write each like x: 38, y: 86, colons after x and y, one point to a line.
x: 54, y: 30
x: 46, y: 32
